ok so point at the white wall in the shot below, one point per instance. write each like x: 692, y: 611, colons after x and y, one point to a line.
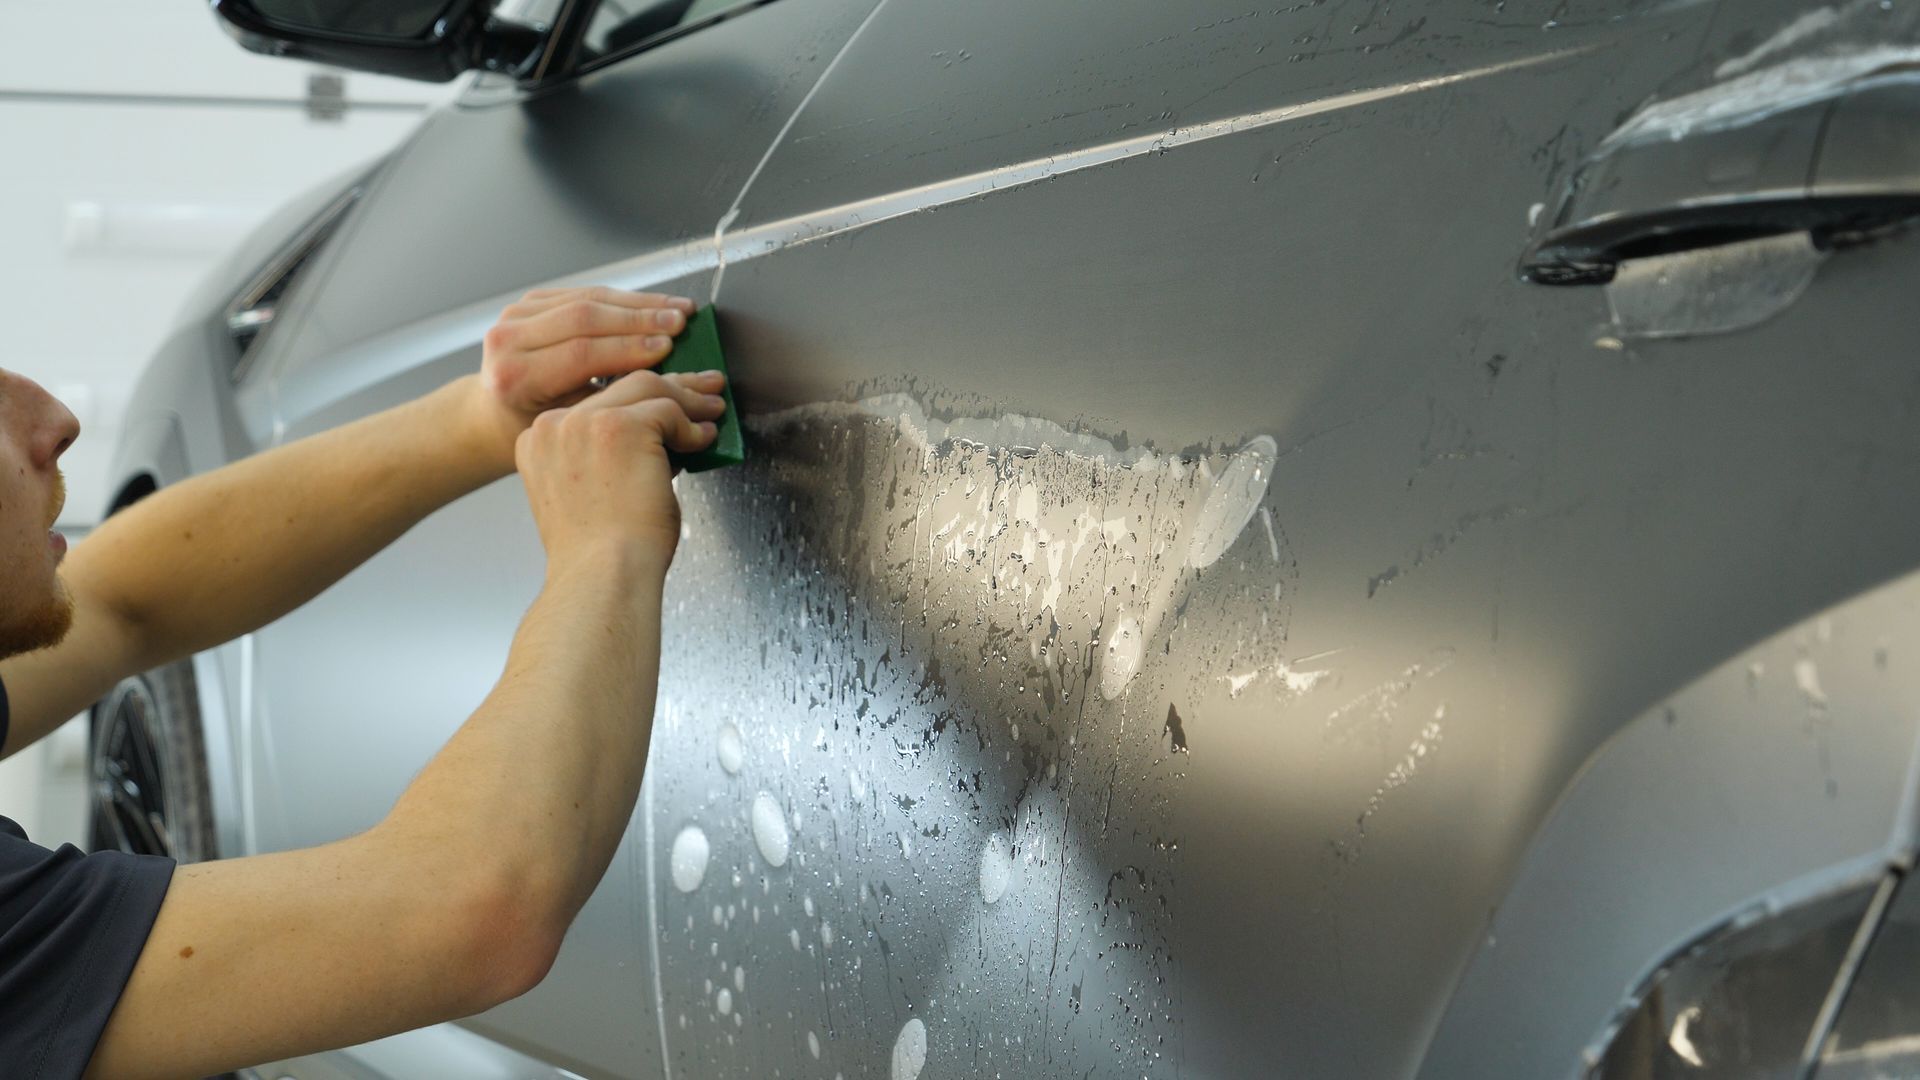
x: 137, y: 144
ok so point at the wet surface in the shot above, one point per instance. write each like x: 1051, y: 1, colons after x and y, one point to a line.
x: 947, y: 833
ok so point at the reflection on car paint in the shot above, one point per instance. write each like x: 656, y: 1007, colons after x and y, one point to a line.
x: 730, y: 246
x: 953, y: 776
x: 1712, y: 290
x: 1832, y: 46
x: 1792, y: 34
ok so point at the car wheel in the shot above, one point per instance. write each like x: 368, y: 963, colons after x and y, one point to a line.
x: 151, y: 794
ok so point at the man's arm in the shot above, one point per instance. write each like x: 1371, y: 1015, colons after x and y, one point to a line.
x: 460, y: 898
x: 219, y: 555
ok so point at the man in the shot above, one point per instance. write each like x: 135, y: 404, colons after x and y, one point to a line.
x: 120, y: 966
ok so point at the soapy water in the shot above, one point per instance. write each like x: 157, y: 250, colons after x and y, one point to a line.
x: 1125, y: 649
x: 1806, y: 675
x: 1232, y: 502
x: 688, y: 861
x: 996, y: 867
x: 770, y: 830
x: 910, y: 1051
x: 949, y: 617
x: 729, y: 748
x: 1160, y: 518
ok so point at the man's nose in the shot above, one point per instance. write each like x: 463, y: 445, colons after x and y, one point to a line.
x: 66, y: 428
x: 54, y: 427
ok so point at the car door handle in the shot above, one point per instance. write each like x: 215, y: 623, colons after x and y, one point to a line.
x: 1843, y: 167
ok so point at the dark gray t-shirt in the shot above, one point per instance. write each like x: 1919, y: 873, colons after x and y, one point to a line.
x: 71, y: 926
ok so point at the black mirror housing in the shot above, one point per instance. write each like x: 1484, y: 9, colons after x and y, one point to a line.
x: 435, y: 47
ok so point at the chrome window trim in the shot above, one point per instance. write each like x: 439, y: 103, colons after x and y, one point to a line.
x: 247, y: 314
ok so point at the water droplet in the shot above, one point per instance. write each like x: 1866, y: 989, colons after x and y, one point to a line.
x: 910, y: 1051
x: 996, y: 867
x: 731, y: 750
x: 1232, y: 501
x: 770, y: 830
x: 1124, y: 651
x: 723, y: 1001
x: 856, y: 787
x: 1807, y: 675
x: 739, y: 978
x: 688, y: 860
x: 813, y: 1045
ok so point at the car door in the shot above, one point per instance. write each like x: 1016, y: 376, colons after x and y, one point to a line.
x: 627, y: 167
x: 1183, y: 562
x: 1180, y: 562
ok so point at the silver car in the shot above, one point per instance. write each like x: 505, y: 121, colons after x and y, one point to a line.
x: 1312, y: 540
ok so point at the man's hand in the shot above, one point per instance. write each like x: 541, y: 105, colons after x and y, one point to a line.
x: 543, y: 350
x: 597, y: 474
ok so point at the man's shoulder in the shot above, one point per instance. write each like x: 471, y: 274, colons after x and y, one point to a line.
x: 71, y: 927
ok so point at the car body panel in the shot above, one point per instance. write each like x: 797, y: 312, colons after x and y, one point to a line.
x: 1469, y: 497
x: 1747, y: 791
x: 1179, y: 568
x: 642, y: 156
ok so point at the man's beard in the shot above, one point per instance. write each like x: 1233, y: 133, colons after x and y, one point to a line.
x: 44, y: 625
x: 48, y: 622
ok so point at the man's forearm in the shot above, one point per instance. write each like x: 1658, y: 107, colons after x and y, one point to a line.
x: 459, y: 899
x: 543, y: 776
x: 219, y: 555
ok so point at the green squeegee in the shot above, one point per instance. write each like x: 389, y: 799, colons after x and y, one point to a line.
x: 698, y: 349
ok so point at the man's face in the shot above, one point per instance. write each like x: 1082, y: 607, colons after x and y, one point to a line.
x: 35, y: 608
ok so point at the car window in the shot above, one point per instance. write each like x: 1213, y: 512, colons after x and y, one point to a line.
x: 619, y: 26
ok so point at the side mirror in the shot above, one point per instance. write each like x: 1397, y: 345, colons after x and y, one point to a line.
x: 428, y: 40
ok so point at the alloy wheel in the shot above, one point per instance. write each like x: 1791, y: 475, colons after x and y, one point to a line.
x: 130, y: 772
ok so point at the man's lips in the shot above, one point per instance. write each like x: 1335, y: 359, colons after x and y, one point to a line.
x: 58, y: 543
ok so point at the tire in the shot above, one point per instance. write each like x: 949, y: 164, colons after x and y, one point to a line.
x: 151, y: 794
